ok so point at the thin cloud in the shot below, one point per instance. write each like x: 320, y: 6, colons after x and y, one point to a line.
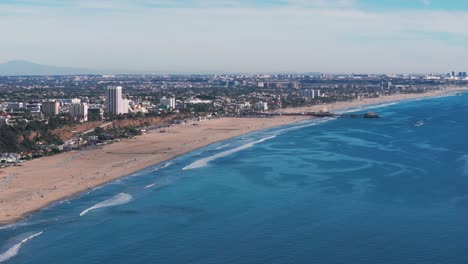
x: 244, y: 38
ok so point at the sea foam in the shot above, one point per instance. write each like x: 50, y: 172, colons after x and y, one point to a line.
x: 13, y: 251
x: 121, y: 198
x: 362, y: 108
x: 204, y: 162
x: 223, y: 146
x: 167, y: 164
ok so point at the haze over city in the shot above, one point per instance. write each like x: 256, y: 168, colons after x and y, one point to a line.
x: 342, y: 36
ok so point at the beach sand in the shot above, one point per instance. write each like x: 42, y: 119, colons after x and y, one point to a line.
x: 40, y: 182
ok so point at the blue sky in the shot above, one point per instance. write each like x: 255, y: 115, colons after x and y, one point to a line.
x: 384, y: 36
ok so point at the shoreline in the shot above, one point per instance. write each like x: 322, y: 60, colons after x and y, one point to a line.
x: 43, y: 182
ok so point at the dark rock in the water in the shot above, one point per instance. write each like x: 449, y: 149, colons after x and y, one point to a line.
x: 371, y: 115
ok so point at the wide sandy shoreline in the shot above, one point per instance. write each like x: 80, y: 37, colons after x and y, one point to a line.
x: 40, y: 182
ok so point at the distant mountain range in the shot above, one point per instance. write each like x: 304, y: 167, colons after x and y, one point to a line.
x: 21, y: 67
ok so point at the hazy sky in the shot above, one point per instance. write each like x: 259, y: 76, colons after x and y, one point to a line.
x: 391, y: 36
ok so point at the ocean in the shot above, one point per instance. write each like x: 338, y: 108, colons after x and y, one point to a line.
x: 388, y: 190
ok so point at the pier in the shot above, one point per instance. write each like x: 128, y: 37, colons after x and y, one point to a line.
x: 322, y: 114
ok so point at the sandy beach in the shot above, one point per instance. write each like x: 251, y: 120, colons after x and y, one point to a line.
x: 40, y: 182
x: 370, y: 101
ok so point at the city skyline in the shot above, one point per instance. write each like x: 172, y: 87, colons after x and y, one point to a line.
x: 342, y: 36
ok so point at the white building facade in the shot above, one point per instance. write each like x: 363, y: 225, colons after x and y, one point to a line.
x: 170, y: 103
x: 80, y: 111
x: 115, y: 105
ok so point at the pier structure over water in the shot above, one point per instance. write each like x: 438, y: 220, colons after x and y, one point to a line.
x: 322, y: 114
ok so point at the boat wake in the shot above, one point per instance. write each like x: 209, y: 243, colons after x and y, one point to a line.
x: 13, y: 251
x: 121, y: 198
x: 204, y: 162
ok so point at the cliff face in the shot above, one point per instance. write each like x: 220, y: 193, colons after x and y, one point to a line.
x: 65, y: 133
x: 147, y: 121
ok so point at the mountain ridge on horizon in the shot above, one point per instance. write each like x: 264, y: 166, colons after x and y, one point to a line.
x: 25, y: 68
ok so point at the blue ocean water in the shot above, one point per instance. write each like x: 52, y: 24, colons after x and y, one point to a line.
x: 389, y: 190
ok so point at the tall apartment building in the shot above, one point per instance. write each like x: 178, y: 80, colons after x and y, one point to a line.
x: 114, y: 103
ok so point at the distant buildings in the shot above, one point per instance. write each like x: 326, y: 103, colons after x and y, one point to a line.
x: 79, y: 110
x: 295, y: 85
x: 262, y: 106
x: 15, y: 105
x: 197, y: 101
x: 34, y: 107
x: 459, y: 76
x: 50, y: 108
x: 309, y: 93
x: 95, y: 114
x: 306, y: 93
x: 168, y: 103
x: 70, y: 101
x: 115, y: 105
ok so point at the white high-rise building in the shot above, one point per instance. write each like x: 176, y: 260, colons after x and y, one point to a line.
x: 262, y: 106
x: 79, y: 110
x: 114, y: 102
x: 317, y: 93
x: 307, y: 93
x: 170, y: 103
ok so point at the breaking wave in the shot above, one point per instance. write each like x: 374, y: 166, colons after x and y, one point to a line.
x: 306, y: 124
x: 204, y: 162
x: 223, y: 146
x: 13, y: 251
x: 150, y: 185
x: 121, y: 198
x: 362, y: 108
x: 167, y: 164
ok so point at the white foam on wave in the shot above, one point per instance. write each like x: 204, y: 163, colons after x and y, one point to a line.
x: 150, y: 185
x: 167, y: 164
x: 419, y: 123
x: 352, y: 110
x: 13, y: 251
x: 464, y: 159
x: 121, y: 198
x: 223, y: 146
x: 204, y: 162
x: 305, y: 124
x: 12, y: 226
